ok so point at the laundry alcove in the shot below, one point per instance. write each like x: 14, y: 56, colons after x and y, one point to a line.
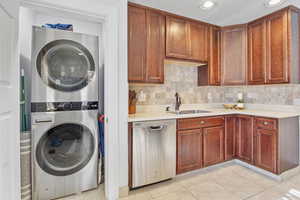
x: 76, y: 145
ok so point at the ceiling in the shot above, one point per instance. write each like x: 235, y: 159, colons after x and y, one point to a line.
x: 227, y: 12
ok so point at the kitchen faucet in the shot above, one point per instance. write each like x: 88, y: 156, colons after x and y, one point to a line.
x: 178, y: 102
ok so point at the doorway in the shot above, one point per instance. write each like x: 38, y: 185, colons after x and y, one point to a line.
x: 36, y: 16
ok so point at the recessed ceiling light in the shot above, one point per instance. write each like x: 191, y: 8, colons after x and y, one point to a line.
x: 271, y: 3
x: 207, y: 4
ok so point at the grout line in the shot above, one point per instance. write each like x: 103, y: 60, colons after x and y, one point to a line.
x: 250, y: 179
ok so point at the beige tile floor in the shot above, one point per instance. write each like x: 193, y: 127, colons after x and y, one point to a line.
x: 230, y: 182
x: 90, y: 195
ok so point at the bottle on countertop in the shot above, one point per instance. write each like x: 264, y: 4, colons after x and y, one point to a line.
x: 240, y: 103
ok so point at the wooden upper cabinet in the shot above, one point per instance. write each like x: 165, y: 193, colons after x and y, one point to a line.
x: 211, y: 74
x: 273, y: 48
x: 265, y: 51
x: 214, y: 56
x: 244, y: 138
x: 199, y: 36
x: 146, y: 45
x: 155, y: 47
x: 137, y: 39
x: 189, y: 150
x: 278, y: 50
x: 186, y: 39
x: 257, y: 52
x: 234, y: 53
x: 178, y: 42
x: 213, y: 145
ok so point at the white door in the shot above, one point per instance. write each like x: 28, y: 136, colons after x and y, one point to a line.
x: 9, y: 101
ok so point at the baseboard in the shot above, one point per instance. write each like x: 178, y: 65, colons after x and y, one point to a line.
x: 259, y: 170
x: 284, y: 176
x: 290, y: 173
x: 123, y: 191
x: 203, y: 170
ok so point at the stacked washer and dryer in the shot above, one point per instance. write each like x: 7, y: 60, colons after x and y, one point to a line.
x: 64, y: 109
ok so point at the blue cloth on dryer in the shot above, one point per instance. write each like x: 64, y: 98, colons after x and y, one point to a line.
x: 101, y: 135
x: 59, y: 26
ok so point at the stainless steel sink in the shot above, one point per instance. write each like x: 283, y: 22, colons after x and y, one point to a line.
x: 184, y: 112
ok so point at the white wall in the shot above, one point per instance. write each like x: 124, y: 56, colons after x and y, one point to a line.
x: 123, y: 94
x: 79, y: 26
x: 26, y: 18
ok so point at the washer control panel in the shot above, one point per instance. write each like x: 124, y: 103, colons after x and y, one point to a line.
x: 64, y: 106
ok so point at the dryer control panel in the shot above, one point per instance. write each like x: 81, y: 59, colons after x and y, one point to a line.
x: 63, y: 106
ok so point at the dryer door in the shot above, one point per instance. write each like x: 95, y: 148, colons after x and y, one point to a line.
x: 65, y: 65
x: 65, y: 149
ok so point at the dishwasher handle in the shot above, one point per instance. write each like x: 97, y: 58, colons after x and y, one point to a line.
x: 156, y: 128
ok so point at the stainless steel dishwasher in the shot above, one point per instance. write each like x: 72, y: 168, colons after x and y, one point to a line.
x: 153, y: 152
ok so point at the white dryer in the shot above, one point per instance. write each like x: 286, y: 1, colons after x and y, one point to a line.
x: 65, y: 150
x: 64, y: 66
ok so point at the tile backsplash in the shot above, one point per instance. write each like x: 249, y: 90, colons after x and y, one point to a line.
x: 183, y: 79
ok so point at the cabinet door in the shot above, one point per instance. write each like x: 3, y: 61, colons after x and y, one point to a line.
x: 199, y: 36
x: 277, y: 45
x: 244, y: 146
x: 155, y: 47
x: 178, y: 42
x: 189, y: 150
x: 234, y: 52
x: 257, y: 52
x: 230, y: 133
x: 213, y: 145
x: 266, y: 149
x: 137, y: 38
x: 214, y: 56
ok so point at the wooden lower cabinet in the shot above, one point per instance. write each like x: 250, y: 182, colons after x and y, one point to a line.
x: 213, y: 145
x: 266, y: 149
x: 244, y: 138
x: 268, y: 143
x: 200, y: 142
x: 259, y: 141
x: 230, y: 133
x: 189, y: 151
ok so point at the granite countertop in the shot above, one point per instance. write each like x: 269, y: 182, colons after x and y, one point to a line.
x: 149, y: 116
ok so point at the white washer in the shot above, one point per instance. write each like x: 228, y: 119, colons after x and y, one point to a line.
x: 64, y: 154
x: 64, y: 66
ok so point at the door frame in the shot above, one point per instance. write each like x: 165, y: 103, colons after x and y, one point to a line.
x: 114, y: 30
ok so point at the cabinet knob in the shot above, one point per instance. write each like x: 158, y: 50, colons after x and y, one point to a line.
x: 266, y: 123
x: 202, y: 122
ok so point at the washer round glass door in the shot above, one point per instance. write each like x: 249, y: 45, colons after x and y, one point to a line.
x: 65, y: 149
x: 65, y: 65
